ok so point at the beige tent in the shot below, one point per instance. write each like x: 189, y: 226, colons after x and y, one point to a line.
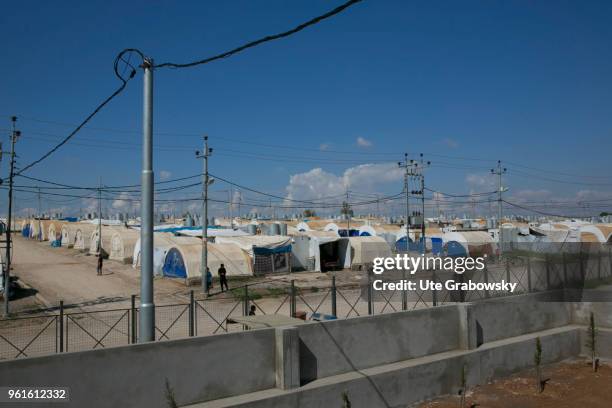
x: 162, y: 241
x: 69, y: 233
x: 82, y: 236
x: 122, y: 244
x: 184, y: 261
x: 362, y: 250
x: 107, y: 234
x: 55, y: 230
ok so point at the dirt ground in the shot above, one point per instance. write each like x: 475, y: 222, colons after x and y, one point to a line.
x: 571, y: 384
x: 48, y: 274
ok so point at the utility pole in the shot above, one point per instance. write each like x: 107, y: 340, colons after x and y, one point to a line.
x: 405, y: 166
x: 99, y: 218
x: 421, y: 171
x: 9, y: 244
x: 230, y: 201
x: 499, y: 171
x: 147, y: 303
x: 348, y: 215
x: 205, y: 182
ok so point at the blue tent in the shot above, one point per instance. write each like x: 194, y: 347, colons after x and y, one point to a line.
x: 174, y: 265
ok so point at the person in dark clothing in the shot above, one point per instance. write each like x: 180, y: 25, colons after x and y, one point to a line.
x: 223, y: 277
x: 209, y: 279
x: 252, y: 311
x: 100, y: 262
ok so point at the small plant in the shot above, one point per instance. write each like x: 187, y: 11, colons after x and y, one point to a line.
x: 591, y: 342
x: 169, y: 394
x: 346, y: 402
x: 463, y: 389
x: 537, y: 359
x: 314, y: 289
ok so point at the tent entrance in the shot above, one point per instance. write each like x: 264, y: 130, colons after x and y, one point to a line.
x: 330, y: 256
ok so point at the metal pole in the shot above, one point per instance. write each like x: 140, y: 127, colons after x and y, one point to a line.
x: 61, y: 326
x: 333, y: 297
x: 423, y: 212
x: 99, y: 217
x: 205, y: 182
x: 147, y: 305
x: 7, y: 272
x: 191, y: 313
x: 134, y: 319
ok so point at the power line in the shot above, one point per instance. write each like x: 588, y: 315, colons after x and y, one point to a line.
x: 93, y: 113
x: 265, y: 39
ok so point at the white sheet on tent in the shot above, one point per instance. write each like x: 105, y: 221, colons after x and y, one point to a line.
x: 246, y: 243
x: 213, y: 232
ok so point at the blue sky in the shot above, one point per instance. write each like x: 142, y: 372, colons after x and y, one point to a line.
x: 526, y: 82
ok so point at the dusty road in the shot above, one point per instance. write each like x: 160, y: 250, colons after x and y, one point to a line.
x: 62, y: 273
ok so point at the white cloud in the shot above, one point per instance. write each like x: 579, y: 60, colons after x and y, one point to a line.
x: 480, y: 182
x: 366, y: 178
x: 164, y: 174
x: 363, y: 142
x: 324, y: 147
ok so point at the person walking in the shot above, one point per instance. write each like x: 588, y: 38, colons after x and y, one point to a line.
x: 222, y: 277
x: 100, y: 263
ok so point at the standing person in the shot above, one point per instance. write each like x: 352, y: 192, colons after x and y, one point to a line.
x: 223, y: 277
x: 252, y: 311
x: 100, y: 262
x: 209, y: 280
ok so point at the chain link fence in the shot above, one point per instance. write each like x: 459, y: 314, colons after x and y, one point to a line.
x: 77, y: 331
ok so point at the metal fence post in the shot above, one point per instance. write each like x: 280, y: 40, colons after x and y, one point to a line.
x: 529, y: 274
x: 292, y: 304
x: 404, y: 292
x: 370, y: 303
x: 245, y: 302
x: 61, y: 326
x: 134, y: 322
x: 333, y: 297
x: 508, y: 269
x: 191, y: 314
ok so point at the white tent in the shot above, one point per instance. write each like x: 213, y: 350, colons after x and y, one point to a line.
x: 82, y: 236
x: 469, y: 243
x: 358, y: 251
x: 162, y: 242
x: 247, y: 242
x: 122, y: 244
x: 212, y: 232
x: 55, y: 230
x: 69, y: 234
x: 107, y: 233
x: 184, y: 261
x: 307, y: 248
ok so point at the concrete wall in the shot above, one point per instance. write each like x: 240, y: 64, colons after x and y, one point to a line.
x: 200, y: 368
x: 501, y: 318
x: 384, y: 360
x: 340, y: 346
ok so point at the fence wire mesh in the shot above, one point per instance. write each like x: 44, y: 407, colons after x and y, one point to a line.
x: 42, y: 335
